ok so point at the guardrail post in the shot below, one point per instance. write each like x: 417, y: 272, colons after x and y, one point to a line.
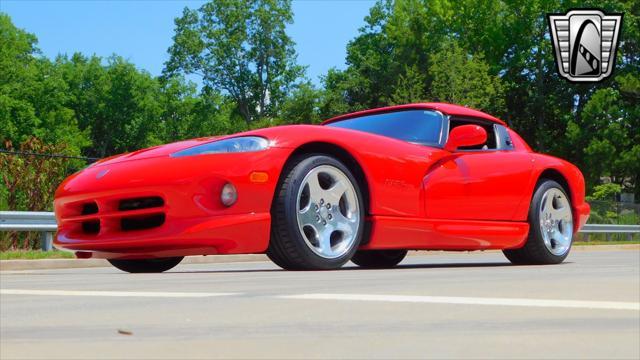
x: 46, y: 241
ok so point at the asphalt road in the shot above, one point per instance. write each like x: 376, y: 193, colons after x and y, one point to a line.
x: 468, y: 305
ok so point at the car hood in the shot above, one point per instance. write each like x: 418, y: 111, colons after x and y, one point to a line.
x: 273, y: 133
x: 156, y: 151
x: 284, y: 136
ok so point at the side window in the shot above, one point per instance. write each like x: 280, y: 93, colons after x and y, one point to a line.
x: 503, y: 138
x: 491, y: 143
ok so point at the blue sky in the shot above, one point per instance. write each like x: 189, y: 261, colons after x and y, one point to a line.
x: 141, y: 30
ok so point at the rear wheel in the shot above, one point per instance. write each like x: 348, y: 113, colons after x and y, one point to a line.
x: 550, y: 227
x: 378, y: 259
x: 146, y: 265
x: 318, y: 215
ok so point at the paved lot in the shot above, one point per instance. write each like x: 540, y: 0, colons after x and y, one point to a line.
x: 443, y: 305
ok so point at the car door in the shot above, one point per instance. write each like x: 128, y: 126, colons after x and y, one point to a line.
x: 484, y: 183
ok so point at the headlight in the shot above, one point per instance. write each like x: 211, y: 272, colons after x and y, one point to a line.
x: 233, y: 145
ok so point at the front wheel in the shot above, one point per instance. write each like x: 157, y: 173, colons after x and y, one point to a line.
x: 146, y: 265
x: 317, y: 215
x: 378, y: 259
x: 550, y: 227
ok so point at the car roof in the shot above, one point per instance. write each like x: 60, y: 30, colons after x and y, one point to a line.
x: 448, y: 109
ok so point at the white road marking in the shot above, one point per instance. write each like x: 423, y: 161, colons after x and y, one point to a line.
x: 576, y: 304
x: 545, y: 303
x: 111, y: 293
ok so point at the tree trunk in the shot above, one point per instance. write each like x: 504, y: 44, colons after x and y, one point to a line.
x: 243, y: 107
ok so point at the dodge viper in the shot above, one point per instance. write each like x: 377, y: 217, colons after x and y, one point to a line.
x: 364, y: 187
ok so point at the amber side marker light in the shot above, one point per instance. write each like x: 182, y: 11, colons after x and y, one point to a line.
x: 259, y: 177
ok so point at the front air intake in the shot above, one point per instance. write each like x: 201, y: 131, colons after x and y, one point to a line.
x: 91, y: 226
x: 141, y: 222
x: 140, y: 203
x: 89, y: 208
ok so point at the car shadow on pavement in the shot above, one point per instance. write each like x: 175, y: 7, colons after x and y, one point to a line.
x: 434, y: 266
x: 351, y: 268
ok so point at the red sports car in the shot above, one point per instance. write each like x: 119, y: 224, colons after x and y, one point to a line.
x: 365, y: 187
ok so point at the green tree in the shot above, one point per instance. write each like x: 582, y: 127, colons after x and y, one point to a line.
x: 605, y: 137
x: 239, y: 47
x: 335, y: 95
x: 17, y: 63
x: 186, y: 114
x: 116, y: 103
x: 497, y: 56
x: 302, y: 105
x: 28, y: 183
x: 410, y: 86
x: 493, y: 55
x: 465, y: 79
x: 33, y: 94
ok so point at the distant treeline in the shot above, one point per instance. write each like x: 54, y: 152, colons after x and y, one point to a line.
x: 491, y: 55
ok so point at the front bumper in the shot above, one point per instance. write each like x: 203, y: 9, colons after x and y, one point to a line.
x: 233, y: 234
x: 185, y: 217
x: 581, y: 216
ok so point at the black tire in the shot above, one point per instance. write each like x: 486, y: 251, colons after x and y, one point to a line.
x: 378, y: 259
x: 287, y: 247
x: 146, y: 265
x: 534, y: 252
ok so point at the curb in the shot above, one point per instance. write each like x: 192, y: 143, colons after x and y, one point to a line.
x: 8, y: 265
x: 586, y: 247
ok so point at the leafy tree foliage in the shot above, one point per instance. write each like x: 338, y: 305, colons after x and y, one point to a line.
x: 497, y: 56
x: 302, y: 106
x: 239, y: 47
x: 29, y: 183
x: 33, y: 93
x: 464, y: 79
x: 607, y: 133
x: 493, y: 55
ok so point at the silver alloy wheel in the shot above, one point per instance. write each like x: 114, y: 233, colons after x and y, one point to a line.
x: 556, y: 221
x: 328, y: 212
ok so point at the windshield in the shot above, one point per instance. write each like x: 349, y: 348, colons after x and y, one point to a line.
x: 415, y: 126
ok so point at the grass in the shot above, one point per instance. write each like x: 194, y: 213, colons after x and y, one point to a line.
x: 34, y: 255
x: 604, y: 242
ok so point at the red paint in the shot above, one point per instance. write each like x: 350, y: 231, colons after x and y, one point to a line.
x: 420, y: 233
x: 419, y: 197
x: 478, y: 185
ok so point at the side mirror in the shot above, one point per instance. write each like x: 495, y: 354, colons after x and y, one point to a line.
x: 465, y: 135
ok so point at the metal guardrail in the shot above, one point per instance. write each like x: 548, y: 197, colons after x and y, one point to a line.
x: 45, y: 223
x: 41, y: 221
x: 27, y: 221
x: 609, y: 229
